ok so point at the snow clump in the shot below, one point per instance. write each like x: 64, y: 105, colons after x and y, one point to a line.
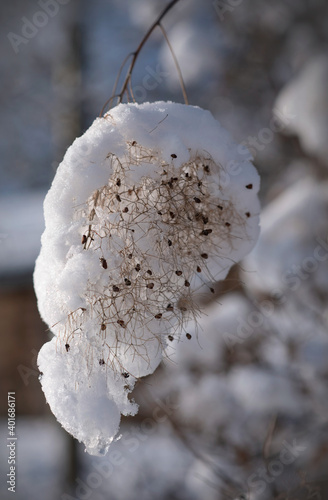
x: 151, y: 205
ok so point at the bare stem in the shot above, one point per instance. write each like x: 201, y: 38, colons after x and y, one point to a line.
x: 183, y: 88
x: 127, y: 81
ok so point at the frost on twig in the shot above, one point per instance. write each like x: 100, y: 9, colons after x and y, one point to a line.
x: 152, y: 205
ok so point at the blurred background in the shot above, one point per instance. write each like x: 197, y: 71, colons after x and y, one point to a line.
x: 243, y: 413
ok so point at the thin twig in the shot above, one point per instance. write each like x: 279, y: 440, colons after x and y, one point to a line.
x: 268, y: 440
x: 142, y: 43
x: 183, y: 88
x: 109, y: 101
x: 127, y: 81
x: 131, y: 91
x: 226, y: 480
x: 152, y: 130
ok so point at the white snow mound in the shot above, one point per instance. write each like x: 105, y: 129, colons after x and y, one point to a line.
x: 150, y: 205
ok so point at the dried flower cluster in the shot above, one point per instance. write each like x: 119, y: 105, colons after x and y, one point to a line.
x: 161, y: 225
x: 161, y: 233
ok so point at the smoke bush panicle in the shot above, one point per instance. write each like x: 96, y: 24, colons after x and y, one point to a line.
x: 150, y: 206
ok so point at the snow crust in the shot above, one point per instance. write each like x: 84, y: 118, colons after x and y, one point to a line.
x: 151, y: 205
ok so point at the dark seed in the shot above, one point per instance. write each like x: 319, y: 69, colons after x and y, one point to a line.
x: 173, y: 155
x: 169, y: 242
x: 125, y: 210
x: 249, y: 186
x: 127, y: 282
x: 158, y: 316
x: 247, y: 214
x: 67, y: 347
x: 172, y: 215
x: 103, y: 327
x: 170, y: 337
x: 197, y: 200
x: 150, y: 286
x: 187, y: 283
x: 227, y: 224
x: 103, y: 262
x: 188, y: 336
x: 129, y: 256
x: 159, y: 212
x: 205, y: 219
x: 137, y: 268
x: 178, y: 273
x: 101, y: 361
x: 134, y: 143
x: 212, y: 290
x: 220, y: 207
x: 125, y: 374
x: 169, y: 307
x: 84, y: 239
x: 206, y: 232
x: 149, y: 272
x: 204, y: 255
x: 199, y: 269
x: 121, y: 323
x: 118, y: 197
x: 207, y: 169
x: 115, y: 288
x: 118, y: 182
